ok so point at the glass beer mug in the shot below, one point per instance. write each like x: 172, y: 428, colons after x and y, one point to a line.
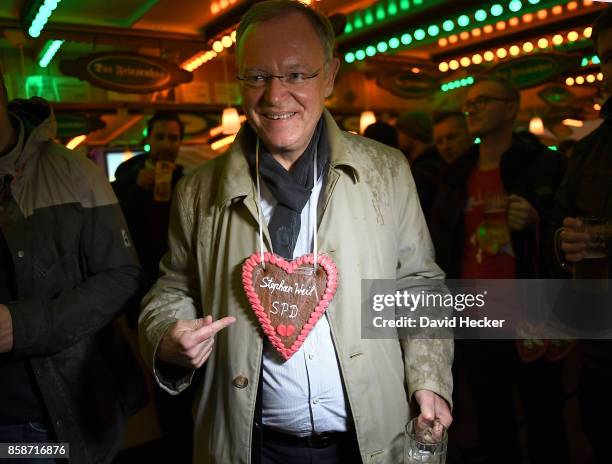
x: 162, y: 191
x: 425, y: 444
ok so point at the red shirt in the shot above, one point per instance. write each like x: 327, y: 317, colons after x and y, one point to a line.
x: 487, y: 249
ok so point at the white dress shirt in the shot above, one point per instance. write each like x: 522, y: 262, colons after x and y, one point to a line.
x: 305, y: 394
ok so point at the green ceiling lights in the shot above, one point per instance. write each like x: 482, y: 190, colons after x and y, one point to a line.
x: 40, y: 18
x: 465, y: 82
x: 492, y: 14
x: 49, y: 51
x: 593, y: 60
x: 384, y: 11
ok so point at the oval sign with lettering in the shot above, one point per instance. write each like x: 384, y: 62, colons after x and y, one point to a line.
x: 126, y: 72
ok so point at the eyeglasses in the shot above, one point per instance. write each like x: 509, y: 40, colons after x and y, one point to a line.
x: 479, y: 103
x: 259, y: 80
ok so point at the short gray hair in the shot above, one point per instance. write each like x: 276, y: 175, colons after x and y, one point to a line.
x: 272, y: 9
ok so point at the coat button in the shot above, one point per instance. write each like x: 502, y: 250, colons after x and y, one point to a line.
x: 240, y: 382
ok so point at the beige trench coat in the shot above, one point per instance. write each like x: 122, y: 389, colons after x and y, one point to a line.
x: 370, y: 222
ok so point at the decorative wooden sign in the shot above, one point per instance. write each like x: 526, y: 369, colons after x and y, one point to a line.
x: 126, y: 72
x: 287, y: 297
x: 407, y: 84
x: 533, y: 70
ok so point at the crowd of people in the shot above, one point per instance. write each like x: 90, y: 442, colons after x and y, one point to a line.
x: 85, y: 266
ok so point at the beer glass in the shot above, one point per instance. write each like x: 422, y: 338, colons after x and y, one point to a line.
x: 425, y: 444
x: 162, y: 190
x: 591, y: 273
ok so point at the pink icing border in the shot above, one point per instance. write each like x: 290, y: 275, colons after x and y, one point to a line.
x: 328, y: 266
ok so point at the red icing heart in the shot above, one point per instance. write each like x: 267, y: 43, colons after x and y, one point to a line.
x: 287, y: 297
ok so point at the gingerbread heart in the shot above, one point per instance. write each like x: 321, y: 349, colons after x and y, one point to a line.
x: 287, y: 297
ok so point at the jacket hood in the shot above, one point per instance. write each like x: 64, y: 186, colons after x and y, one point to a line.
x: 38, y: 121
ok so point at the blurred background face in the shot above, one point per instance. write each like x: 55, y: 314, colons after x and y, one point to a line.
x: 488, y: 108
x: 165, y: 140
x: 604, y: 42
x: 452, y: 138
x: 285, y: 116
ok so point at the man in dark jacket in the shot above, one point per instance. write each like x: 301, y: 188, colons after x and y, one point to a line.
x: 485, y: 223
x: 67, y: 272
x: 587, y: 191
x: 148, y: 215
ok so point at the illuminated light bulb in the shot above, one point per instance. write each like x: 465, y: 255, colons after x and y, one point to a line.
x: 557, y: 39
x: 542, y: 14
x: 218, y: 46
x: 580, y: 80
x: 543, y: 42
x: 370, y: 50
x: 571, y: 6
x: 453, y: 64
x: 513, y: 21
x: 487, y: 29
x: 489, y: 56
x: 360, y: 55
x: 515, y: 50
x: 480, y: 15
x: 349, y: 57
x: 590, y: 78
x: 464, y: 35
x: 215, y: 8
x: 588, y: 32
x: 600, y: 76
x: 527, y: 47
x: 443, y: 67
x: 443, y: 42
x: 527, y: 18
x: 587, y: 2
x: 477, y: 59
x: 597, y: 107
x: 233, y: 36
x: 476, y: 32
x: 465, y: 62
x: 226, y: 41
x: 572, y: 36
x: 572, y: 122
x: 406, y: 39
x: 453, y: 39
x: 367, y: 118
x: 394, y: 42
x: 569, y: 81
x: 223, y: 4
x: 415, y: 70
x: 500, y: 25
x: 557, y: 10
x: 502, y: 53
x: 536, y: 126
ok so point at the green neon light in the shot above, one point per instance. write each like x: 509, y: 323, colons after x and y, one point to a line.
x: 480, y: 15
x: 370, y: 50
x: 595, y: 60
x: 585, y: 61
x: 358, y: 23
x: 392, y: 8
x: 349, y: 57
x: 448, y: 25
x: 477, y: 140
x: 348, y: 28
x: 534, y: 2
x: 433, y: 30
x: 360, y: 55
x: 444, y: 87
x: 515, y: 5
x: 42, y: 16
x: 368, y: 18
x: 419, y: 34
x: 382, y: 47
x: 464, y: 82
x: 394, y: 42
x: 49, y: 52
x: 380, y: 13
x: 147, y: 148
x: 406, y: 39
x: 553, y: 147
x: 404, y: 4
x: 497, y: 9
x: 463, y: 20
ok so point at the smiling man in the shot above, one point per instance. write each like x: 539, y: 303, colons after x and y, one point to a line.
x: 338, y: 399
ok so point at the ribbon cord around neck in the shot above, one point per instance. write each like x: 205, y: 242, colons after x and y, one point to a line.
x: 313, y: 209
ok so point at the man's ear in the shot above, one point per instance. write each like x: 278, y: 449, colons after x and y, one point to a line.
x: 330, y: 77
